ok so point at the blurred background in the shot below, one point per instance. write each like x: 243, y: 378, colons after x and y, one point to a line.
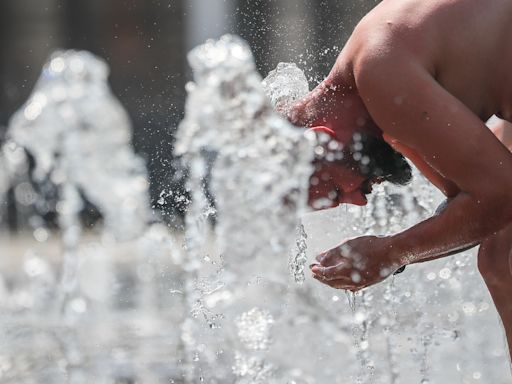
x: 145, y: 42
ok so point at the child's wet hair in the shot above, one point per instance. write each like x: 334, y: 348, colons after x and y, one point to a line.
x: 377, y: 159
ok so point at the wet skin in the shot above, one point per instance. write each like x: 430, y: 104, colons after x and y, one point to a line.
x: 424, y: 76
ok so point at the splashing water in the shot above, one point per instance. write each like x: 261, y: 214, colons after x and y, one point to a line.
x: 80, y: 137
x: 254, y: 328
x: 298, y: 257
x: 257, y: 153
x: 252, y: 370
x: 285, y: 85
x: 261, y: 164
